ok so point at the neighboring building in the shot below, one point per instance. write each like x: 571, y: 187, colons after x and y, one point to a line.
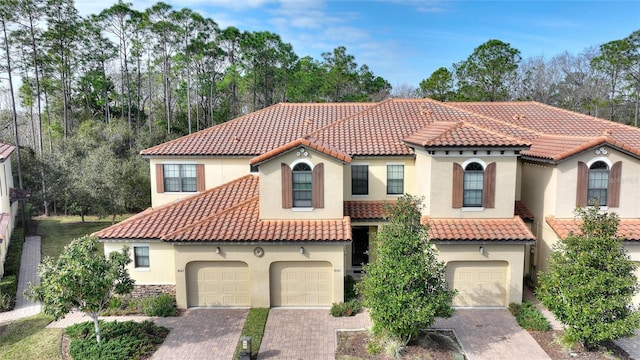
x: 274, y: 208
x: 8, y: 205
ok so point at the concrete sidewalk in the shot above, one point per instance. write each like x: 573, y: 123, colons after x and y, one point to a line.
x: 28, y: 274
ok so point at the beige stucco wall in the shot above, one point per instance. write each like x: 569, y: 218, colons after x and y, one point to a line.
x: 217, y: 171
x: 6, y: 182
x: 259, y: 267
x: 629, y: 186
x: 378, y: 178
x: 271, y: 188
x: 161, y: 269
x: 440, y: 193
x: 512, y: 254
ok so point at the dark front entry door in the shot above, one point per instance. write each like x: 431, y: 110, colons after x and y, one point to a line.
x: 360, y: 245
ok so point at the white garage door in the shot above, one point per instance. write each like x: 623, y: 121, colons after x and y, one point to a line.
x: 305, y: 283
x: 479, y: 283
x: 218, y: 283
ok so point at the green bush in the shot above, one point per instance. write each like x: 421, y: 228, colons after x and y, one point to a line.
x: 6, y: 302
x: 9, y: 284
x: 529, y: 317
x: 374, y: 347
x: 349, y: 288
x: 348, y: 308
x: 159, y: 305
x: 14, y: 253
x: 120, y: 340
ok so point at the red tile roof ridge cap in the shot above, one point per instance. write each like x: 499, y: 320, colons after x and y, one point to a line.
x: 304, y: 141
x: 152, y: 211
x: 524, y: 128
x: 165, y: 237
x: 582, y: 147
x: 209, y: 129
x: 347, y: 118
x: 8, y: 149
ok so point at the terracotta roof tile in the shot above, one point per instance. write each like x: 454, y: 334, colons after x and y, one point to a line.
x: 461, y: 134
x: 258, y: 132
x: 242, y: 224
x: 628, y: 229
x: 309, y: 143
x: 523, y: 212
x: 365, y: 210
x: 5, y: 151
x: 227, y: 213
x: 155, y: 223
x: 478, y: 229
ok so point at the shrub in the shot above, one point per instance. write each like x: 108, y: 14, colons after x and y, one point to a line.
x: 124, y: 340
x: 9, y: 284
x: 349, y: 288
x: 348, y: 308
x: 6, y: 302
x: 159, y: 305
x: 374, y: 347
x: 529, y: 317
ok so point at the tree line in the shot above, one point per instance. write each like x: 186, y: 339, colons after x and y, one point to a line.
x: 93, y: 91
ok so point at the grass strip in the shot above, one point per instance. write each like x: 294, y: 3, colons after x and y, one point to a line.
x: 254, y: 328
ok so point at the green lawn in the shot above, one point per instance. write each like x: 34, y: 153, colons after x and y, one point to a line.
x: 58, y: 231
x: 28, y: 338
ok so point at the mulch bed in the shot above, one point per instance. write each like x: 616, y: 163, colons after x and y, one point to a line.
x: 550, y: 342
x: 352, y: 345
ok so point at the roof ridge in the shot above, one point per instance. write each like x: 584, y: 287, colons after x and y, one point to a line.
x: 526, y: 129
x: 224, y: 211
x: 600, y: 120
x: 194, y: 197
x: 345, y: 119
x: 209, y: 129
x: 495, y: 132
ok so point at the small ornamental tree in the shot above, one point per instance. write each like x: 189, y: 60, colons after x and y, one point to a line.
x: 590, y: 282
x: 405, y: 287
x: 81, y: 278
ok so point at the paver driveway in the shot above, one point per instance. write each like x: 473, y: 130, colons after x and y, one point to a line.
x: 202, y: 334
x: 305, y: 333
x: 492, y: 334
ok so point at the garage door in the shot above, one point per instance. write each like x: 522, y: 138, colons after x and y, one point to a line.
x: 479, y: 283
x: 218, y: 283
x: 301, y: 283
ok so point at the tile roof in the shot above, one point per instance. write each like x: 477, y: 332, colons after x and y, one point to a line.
x: 478, y: 229
x: 365, y: 210
x: 312, y: 144
x: 242, y: 224
x: 628, y: 229
x: 5, y: 151
x: 461, y: 134
x: 258, y: 132
x: 155, y: 223
x: 520, y: 209
x: 226, y: 213
x: 393, y: 126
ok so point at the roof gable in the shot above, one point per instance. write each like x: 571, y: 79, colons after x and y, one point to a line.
x: 309, y: 144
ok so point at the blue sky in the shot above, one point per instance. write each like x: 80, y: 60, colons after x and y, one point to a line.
x: 404, y: 41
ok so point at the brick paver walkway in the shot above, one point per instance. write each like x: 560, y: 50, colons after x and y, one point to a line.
x: 28, y: 274
x: 308, y: 334
x: 492, y: 334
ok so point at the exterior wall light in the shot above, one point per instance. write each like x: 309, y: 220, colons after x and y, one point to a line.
x: 481, y: 250
x: 217, y: 249
x: 301, y: 249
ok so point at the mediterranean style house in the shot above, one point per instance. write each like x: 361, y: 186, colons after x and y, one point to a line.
x: 8, y: 204
x: 274, y: 208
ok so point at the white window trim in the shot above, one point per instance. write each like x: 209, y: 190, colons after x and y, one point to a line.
x: 599, y: 158
x: 404, y: 178
x: 362, y: 196
x: 302, y: 209
x: 472, y: 160
x: 473, y: 209
x: 182, y: 163
x: 133, y: 253
x: 298, y: 161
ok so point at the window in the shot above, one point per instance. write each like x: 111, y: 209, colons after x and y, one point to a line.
x: 360, y: 179
x: 598, y: 183
x: 141, y: 256
x: 473, y: 185
x: 395, y: 179
x: 302, y: 185
x: 180, y: 177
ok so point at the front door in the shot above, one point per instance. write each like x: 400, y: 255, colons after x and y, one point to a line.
x: 360, y: 245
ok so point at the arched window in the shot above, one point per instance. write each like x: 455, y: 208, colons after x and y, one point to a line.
x: 598, y: 183
x: 473, y: 185
x: 302, y: 185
